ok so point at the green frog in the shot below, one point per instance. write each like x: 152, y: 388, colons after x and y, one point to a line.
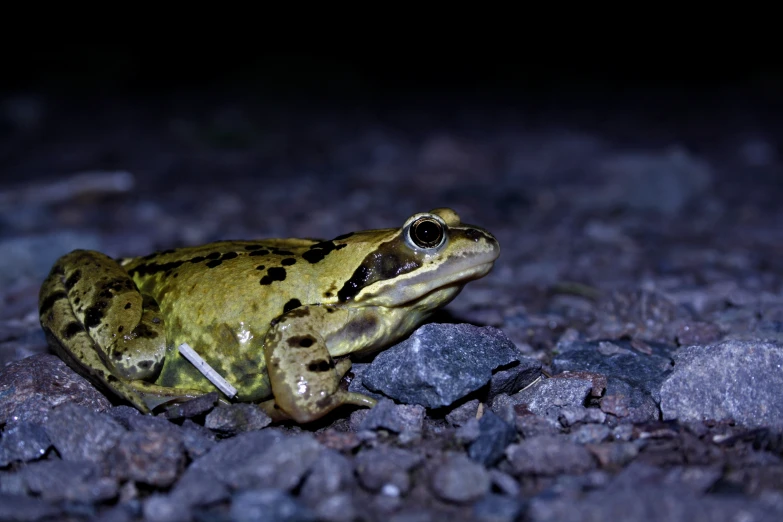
x: 276, y: 318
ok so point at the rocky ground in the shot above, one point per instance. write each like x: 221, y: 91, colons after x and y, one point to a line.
x: 623, y: 361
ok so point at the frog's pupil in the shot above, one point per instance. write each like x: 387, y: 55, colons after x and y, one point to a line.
x: 427, y: 233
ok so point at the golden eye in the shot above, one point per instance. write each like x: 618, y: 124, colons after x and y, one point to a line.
x: 425, y: 232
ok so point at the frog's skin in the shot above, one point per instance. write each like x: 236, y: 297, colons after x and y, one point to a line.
x: 276, y: 318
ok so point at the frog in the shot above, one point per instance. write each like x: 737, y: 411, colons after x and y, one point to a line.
x: 278, y: 319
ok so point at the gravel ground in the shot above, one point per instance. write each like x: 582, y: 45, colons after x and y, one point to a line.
x: 623, y: 360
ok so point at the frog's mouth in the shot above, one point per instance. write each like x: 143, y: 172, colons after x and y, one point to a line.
x: 427, y: 286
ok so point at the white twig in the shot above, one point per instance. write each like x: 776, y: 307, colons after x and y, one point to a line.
x: 208, y: 371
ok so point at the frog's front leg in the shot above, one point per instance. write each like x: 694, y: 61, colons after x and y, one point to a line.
x: 305, y: 379
x: 95, y: 317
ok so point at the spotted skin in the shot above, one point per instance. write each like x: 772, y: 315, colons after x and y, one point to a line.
x: 276, y: 318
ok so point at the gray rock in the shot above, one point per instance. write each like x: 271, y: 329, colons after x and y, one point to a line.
x: 197, y: 439
x: 228, y: 454
x: 123, y: 413
x: 336, y: 508
x: 197, y: 488
x: 513, y: 378
x: 282, y: 464
x: 494, y: 435
x: 504, y: 482
x: 632, y: 374
x: 23, y: 442
x: 590, y: 434
x: 192, y: 408
x: 150, y: 457
x: 357, y: 381
x: 230, y: 419
x: 532, y: 426
x: 733, y: 380
x: 463, y: 413
x: 330, y: 474
x: 268, y: 505
x: 460, y: 479
x: 570, y: 415
x: 12, y: 483
x: 405, y: 419
x: 647, y: 504
x: 468, y: 432
x: 544, y: 455
x: 379, y: 467
x: 32, y: 256
x: 613, y: 455
x: 548, y: 396
x: 663, y: 181
x: 439, y: 364
x: 163, y: 508
x: 18, y: 508
x: 498, y: 508
x: 59, y: 480
x: 79, y: 433
x: 29, y: 388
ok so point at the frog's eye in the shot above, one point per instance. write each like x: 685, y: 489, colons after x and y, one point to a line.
x: 427, y: 232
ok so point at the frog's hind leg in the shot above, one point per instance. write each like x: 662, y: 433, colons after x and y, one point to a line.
x: 305, y: 380
x: 97, y: 321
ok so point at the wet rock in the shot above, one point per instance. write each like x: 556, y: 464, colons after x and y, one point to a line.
x: 545, y: 455
x: 22, y: 442
x: 282, y: 464
x: 493, y: 437
x: 460, y: 479
x: 513, y: 378
x: 58, y: 480
x: 198, y: 488
x: 192, y: 408
x: 268, y: 505
x: 439, y: 364
x: 237, y: 418
x: 20, y: 508
x: 384, y: 466
x: 405, y: 419
x: 29, y: 388
x: 497, y: 508
x: 633, y: 375
x: 79, y: 433
x: 733, y: 380
x: 150, y: 457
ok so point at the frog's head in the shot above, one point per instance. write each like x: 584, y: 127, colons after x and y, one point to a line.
x: 422, y: 265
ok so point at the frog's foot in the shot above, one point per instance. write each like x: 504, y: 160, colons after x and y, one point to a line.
x: 305, y: 379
